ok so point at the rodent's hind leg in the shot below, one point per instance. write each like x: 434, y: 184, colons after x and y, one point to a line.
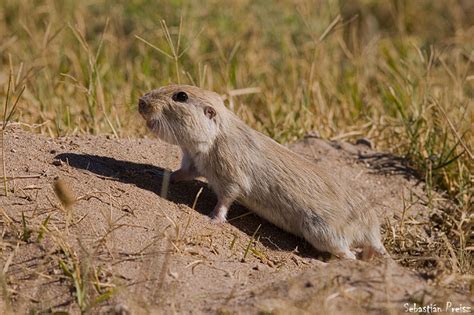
x: 326, y: 241
x: 373, y: 247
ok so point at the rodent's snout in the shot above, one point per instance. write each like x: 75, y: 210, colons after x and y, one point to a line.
x: 143, y: 106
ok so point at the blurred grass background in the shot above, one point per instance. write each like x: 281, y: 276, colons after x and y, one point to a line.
x: 398, y: 72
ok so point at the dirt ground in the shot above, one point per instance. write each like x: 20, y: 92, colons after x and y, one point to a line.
x: 130, y: 245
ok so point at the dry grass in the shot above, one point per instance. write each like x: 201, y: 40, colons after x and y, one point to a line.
x: 397, y: 72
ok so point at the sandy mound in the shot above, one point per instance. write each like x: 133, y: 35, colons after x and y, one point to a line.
x: 122, y: 246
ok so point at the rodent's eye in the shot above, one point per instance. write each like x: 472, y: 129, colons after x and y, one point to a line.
x: 180, y: 97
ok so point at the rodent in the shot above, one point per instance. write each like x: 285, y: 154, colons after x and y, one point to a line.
x: 241, y: 164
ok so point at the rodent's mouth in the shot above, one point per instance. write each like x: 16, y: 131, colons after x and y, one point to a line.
x: 153, y: 125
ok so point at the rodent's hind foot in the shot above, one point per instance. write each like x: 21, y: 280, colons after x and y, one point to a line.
x: 344, y: 254
x: 369, y: 252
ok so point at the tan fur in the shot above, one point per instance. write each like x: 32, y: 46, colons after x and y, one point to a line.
x: 244, y: 165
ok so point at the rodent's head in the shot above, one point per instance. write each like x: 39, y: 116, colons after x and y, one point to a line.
x: 183, y: 115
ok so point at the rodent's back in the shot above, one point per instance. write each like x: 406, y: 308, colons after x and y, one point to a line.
x: 282, y: 186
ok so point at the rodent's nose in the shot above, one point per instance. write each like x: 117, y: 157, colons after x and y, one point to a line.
x: 142, y: 105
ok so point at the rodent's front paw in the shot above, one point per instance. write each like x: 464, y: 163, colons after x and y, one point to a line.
x: 219, y: 213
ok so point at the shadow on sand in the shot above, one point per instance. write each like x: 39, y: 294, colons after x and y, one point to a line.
x: 150, y: 177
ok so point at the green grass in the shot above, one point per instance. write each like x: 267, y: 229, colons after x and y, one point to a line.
x: 397, y: 72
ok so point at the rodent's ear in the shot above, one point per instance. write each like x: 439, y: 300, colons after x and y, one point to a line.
x: 210, y: 112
